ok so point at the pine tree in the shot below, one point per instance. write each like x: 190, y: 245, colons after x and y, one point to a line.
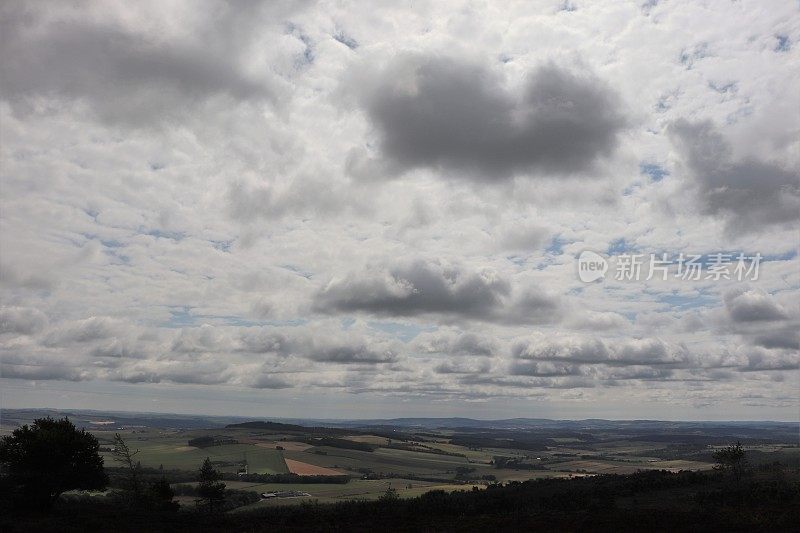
x: 211, y: 489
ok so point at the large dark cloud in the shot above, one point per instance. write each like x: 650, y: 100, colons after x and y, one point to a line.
x: 429, y: 288
x: 748, y: 194
x: 123, y: 74
x: 357, y: 353
x: 415, y: 289
x: 448, y: 114
x: 752, y: 305
x: 787, y: 338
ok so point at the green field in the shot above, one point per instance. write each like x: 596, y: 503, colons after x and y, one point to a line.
x: 173, y: 453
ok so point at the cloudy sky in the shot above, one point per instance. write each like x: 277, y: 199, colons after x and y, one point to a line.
x: 349, y: 210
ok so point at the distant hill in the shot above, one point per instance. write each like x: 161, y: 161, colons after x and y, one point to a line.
x: 274, y: 426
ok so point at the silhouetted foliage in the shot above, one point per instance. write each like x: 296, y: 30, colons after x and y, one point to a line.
x: 732, y: 460
x: 344, y: 444
x: 211, y: 490
x: 697, y: 501
x: 132, y: 480
x: 160, y: 496
x: 47, y: 458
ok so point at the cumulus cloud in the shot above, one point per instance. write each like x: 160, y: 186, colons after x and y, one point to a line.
x: 21, y: 320
x: 752, y: 305
x: 82, y: 331
x: 749, y: 194
x: 594, y: 351
x: 456, y: 344
x: 431, y: 288
x: 351, y: 354
x: 125, y: 72
x: 455, y: 115
x: 415, y: 289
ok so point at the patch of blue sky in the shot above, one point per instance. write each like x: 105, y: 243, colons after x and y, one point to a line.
x: 182, y: 317
x: 518, y: 260
x: 556, y: 246
x: 160, y: 234
x: 783, y: 44
x: 654, y: 171
x: 621, y: 246
x: 243, y: 322
x: 223, y: 246
x: 683, y: 302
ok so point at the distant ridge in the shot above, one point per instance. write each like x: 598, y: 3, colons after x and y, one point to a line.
x: 266, y: 425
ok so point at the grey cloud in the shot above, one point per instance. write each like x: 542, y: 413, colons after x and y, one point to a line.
x: 565, y: 382
x: 197, y: 373
x: 116, y: 348
x: 544, y: 369
x: 752, y: 305
x: 535, y: 307
x: 81, y: 331
x: 205, y: 338
x: 430, y: 288
x: 121, y: 74
x: 21, y: 277
x: 463, y: 367
x: 599, y: 321
x: 47, y: 372
x: 262, y: 340
x: 449, y: 114
x: 267, y: 381
x: 316, y: 347
x: 471, y: 344
x: 462, y: 344
x: 523, y: 238
x: 596, y: 351
x: 639, y: 372
x: 759, y: 359
x: 350, y: 354
x: 21, y: 320
x: 787, y: 338
x: 417, y: 288
x: 748, y: 194
x: 592, y: 351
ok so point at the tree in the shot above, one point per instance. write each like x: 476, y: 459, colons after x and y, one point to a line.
x: 123, y: 455
x: 211, y: 489
x: 50, y: 457
x: 160, y: 495
x: 390, y: 495
x: 731, y: 460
